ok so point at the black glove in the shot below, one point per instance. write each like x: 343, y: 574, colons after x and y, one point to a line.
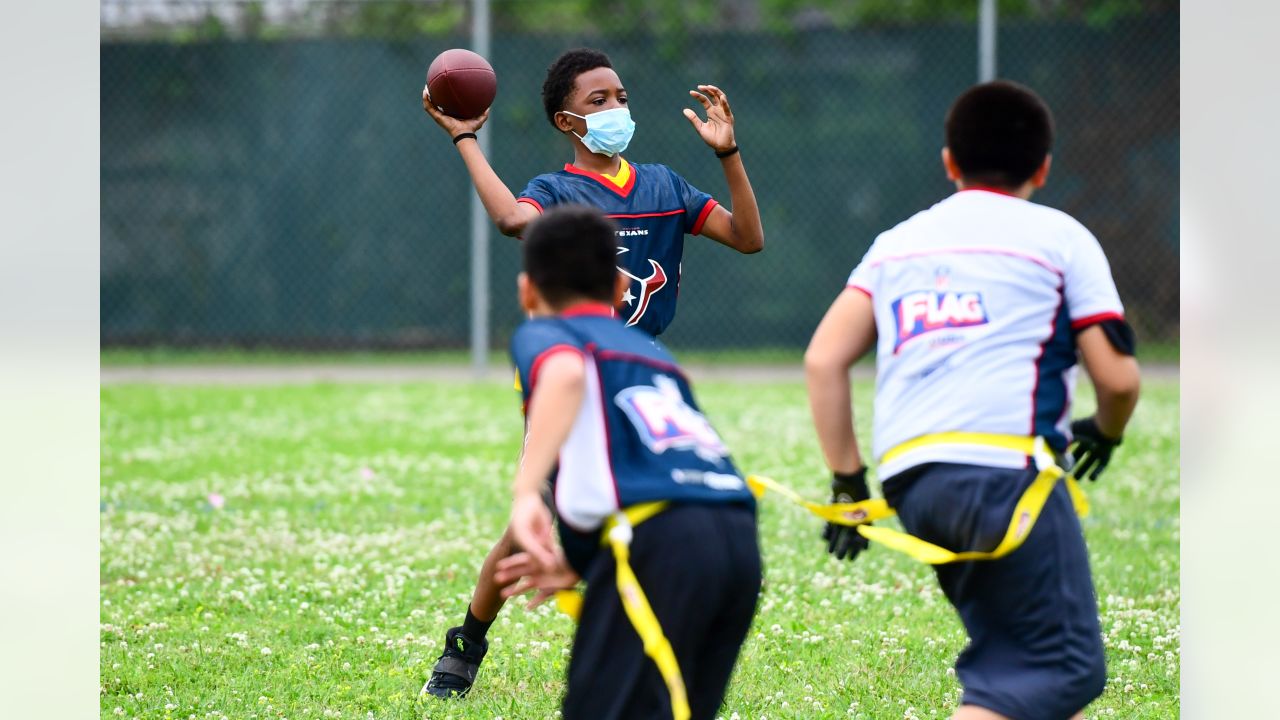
x: 844, y: 541
x: 1091, y: 449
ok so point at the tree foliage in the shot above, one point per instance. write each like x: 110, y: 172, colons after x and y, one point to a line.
x: 405, y: 19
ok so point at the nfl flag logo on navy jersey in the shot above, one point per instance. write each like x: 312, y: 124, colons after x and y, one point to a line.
x: 665, y: 421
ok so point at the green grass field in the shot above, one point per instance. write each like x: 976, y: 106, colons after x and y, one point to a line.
x: 1148, y: 352
x: 355, y: 517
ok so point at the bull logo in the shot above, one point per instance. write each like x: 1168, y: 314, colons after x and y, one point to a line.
x: 648, y: 286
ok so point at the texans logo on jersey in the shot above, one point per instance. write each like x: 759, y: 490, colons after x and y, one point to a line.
x: 636, y: 298
x: 923, y: 312
x: 665, y: 421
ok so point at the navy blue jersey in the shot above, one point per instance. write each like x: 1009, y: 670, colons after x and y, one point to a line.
x: 639, y: 435
x: 654, y: 210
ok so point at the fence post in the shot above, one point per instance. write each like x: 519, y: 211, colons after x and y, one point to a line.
x: 480, y: 35
x: 986, y: 40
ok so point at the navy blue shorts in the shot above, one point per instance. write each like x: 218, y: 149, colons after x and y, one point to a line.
x: 699, y: 565
x: 1035, y: 649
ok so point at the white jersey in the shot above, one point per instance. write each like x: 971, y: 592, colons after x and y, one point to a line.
x: 976, y: 302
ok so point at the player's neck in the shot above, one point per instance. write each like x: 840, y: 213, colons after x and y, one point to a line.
x: 584, y: 159
x: 1024, y: 192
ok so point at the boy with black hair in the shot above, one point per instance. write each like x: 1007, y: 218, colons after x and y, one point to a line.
x: 635, y: 467
x: 585, y: 101
x: 979, y: 308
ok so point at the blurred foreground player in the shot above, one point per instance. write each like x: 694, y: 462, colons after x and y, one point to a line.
x: 979, y: 308
x: 636, y: 472
x: 654, y: 208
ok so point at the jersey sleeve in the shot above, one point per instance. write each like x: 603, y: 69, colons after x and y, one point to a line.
x: 697, y: 204
x: 540, y: 193
x: 534, y: 342
x: 1089, y: 289
x: 862, y: 278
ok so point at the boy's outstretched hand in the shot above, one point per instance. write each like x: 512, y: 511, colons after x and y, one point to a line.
x: 520, y: 573
x: 451, y: 125
x: 717, y: 130
x: 1092, y: 449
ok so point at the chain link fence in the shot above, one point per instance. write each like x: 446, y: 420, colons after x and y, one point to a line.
x: 269, y: 177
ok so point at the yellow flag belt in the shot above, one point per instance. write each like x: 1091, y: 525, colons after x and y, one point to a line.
x: 617, y: 534
x: 1024, y: 517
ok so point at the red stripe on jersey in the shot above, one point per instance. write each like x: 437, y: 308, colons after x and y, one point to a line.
x: 664, y: 213
x: 702, y: 216
x: 642, y: 359
x: 1088, y: 320
x: 859, y: 288
x: 542, y: 356
x: 623, y: 191
x: 532, y: 202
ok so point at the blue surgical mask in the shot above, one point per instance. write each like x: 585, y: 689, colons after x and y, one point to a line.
x: 608, y: 131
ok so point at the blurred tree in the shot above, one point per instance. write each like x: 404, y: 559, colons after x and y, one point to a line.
x: 671, y: 20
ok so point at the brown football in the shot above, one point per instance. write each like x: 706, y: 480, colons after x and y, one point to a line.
x: 461, y: 83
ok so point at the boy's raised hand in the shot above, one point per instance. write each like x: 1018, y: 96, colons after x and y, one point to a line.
x: 717, y: 130
x: 451, y: 125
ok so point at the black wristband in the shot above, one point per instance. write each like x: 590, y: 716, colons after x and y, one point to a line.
x: 463, y: 136
x: 722, y: 154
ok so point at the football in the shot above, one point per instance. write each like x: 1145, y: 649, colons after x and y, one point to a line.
x: 461, y: 83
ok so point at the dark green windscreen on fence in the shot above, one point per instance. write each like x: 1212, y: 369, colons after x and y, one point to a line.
x: 293, y: 192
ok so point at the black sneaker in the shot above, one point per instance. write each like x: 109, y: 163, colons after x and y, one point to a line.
x: 456, y: 669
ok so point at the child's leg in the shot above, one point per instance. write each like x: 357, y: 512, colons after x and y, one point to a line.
x: 608, y: 674
x: 708, y: 663
x: 1035, y: 649
x: 465, y: 646
x: 699, y: 566
x: 486, y: 599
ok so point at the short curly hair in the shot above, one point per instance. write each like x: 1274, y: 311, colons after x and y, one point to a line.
x: 563, y: 75
x: 999, y: 133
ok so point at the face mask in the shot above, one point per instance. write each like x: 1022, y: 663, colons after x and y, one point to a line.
x: 608, y: 131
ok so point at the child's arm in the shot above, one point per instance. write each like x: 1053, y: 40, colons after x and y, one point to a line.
x: 553, y: 408
x: 740, y: 229
x: 510, y: 216
x: 1116, y: 381
x: 846, y: 333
